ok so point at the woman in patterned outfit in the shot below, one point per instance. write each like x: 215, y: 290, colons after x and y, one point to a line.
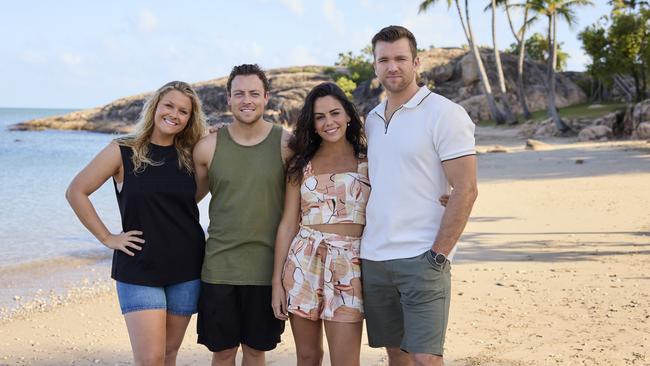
x: 317, y: 274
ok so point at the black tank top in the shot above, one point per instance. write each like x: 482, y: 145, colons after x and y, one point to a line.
x: 160, y: 202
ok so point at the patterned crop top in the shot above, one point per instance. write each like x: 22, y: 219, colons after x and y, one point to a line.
x: 334, y: 198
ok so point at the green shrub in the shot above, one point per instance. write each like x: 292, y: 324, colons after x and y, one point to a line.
x: 346, y: 85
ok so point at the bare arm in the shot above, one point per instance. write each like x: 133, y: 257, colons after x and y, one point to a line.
x: 202, y: 156
x: 106, y: 164
x: 461, y: 174
x: 286, y: 231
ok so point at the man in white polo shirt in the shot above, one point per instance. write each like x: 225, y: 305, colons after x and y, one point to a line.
x: 420, y: 145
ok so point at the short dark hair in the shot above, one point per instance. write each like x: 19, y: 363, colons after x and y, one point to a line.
x: 393, y: 33
x: 248, y: 69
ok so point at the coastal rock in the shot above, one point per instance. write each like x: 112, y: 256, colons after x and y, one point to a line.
x: 469, y: 69
x: 640, y: 113
x: 536, y: 145
x: 451, y: 72
x: 368, y: 95
x: 609, y: 120
x: 476, y: 107
x: 442, y: 73
x: 289, y: 86
x: 642, y: 131
x: 498, y: 149
x: 595, y: 132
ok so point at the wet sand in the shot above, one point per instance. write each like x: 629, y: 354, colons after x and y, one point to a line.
x: 552, y: 270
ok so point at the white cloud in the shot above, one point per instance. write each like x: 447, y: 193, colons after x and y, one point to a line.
x: 33, y: 58
x: 366, y: 4
x: 256, y: 50
x: 296, y: 6
x: 70, y: 58
x: 333, y: 15
x: 300, y: 55
x: 436, y: 28
x: 147, y: 21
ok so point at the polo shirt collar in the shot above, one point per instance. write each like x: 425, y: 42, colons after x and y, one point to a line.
x: 415, y: 100
x: 418, y: 97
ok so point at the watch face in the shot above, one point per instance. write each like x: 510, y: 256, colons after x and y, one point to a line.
x: 440, y: 258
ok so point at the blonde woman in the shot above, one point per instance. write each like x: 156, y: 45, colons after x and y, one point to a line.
x: 157, y: 257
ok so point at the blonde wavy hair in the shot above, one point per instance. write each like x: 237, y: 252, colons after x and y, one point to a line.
x: 184, y: 141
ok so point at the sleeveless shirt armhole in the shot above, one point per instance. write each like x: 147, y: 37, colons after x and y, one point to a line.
x: 123, y: 155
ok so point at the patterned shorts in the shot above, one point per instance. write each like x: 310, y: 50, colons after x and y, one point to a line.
x: 322, y: 277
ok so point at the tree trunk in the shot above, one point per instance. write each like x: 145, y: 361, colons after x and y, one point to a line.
x: 510, y: 118
x: 635, y: 75
x: 521, y: 91
x: 644, y: 86
x: 552, y: 62
x: 492, y: 105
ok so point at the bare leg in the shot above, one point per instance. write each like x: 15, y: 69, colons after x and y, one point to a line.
x: 252, y: 356
x: 147, y: 332
x: 397, y: 357
x: 176, y: 326
x: 423, y: 359
x: 308, y: 336
x: 225, y: 357
x: 344, y: 340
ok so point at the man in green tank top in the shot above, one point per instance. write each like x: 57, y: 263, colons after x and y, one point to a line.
x: 242, y: 166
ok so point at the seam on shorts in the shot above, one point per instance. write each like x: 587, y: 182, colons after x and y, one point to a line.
x: 181, y: 313
x: 446, y: 318
x: 140, y: 308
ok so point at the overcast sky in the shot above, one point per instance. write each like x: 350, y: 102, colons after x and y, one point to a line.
x: 79, y: 54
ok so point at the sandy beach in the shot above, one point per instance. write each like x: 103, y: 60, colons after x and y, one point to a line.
x: 552, y: 270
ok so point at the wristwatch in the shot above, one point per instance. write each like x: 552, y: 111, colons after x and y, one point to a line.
x: 439, y: 258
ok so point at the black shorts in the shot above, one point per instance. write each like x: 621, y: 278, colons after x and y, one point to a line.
x: 232, y: 314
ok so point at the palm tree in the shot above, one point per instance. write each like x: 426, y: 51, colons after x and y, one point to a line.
x: 510, y: 118
x: 552, y: 9
x: 629, y: 5
x: 495, y: 113
x: 520, y: 37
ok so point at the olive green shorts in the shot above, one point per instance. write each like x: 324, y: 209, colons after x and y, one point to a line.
x: 406, y: 303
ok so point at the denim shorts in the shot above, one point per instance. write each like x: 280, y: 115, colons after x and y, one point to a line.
x: 178, y: 299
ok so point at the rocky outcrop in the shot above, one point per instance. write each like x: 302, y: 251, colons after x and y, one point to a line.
x: 643, y: 131
x: 632, y: 121
x: 288, y: 89
x: 595, y: 132
x: 451, y: 72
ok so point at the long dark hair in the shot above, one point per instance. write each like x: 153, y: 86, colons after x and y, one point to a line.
x: 305, y: 141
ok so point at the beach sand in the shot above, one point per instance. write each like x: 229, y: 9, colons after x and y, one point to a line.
x: 553, y: 269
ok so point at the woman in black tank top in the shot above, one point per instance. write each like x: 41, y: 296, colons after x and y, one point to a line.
x: 158, y: 255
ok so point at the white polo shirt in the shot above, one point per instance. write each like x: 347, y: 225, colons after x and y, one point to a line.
x: 405, y: 167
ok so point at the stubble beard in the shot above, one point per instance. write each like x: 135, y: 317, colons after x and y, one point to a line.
x: 403, y: 85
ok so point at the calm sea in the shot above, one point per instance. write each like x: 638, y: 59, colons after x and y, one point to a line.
x: 43, y: 246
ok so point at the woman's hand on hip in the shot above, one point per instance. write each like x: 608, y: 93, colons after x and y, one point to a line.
x: 124, y: 241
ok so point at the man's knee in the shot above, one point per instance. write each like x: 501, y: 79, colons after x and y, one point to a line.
x: 397, y: 357
x: 251, y: 352
x: 225, y: 355
x: 423, y: 359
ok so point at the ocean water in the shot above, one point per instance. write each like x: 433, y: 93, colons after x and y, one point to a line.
x: 44, y: 249
x: 37, y: 223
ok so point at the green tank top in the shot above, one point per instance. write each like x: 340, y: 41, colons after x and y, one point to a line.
x: 247, y: 187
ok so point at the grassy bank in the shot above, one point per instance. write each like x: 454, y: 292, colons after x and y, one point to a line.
x: 571, y: 112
